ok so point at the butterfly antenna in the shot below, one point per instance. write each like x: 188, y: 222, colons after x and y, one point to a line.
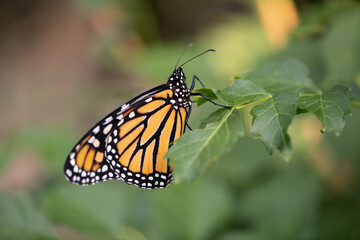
x: 187, y: 47
x: 209, y: 50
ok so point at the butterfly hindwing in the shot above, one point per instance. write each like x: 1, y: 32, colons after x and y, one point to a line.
x: 86, y: 163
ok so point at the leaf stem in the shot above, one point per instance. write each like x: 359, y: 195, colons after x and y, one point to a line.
x: 355, y: 104
x: 259, y: 100
x: 309, y: 94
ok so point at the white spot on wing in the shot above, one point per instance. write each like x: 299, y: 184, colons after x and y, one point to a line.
x: 121, y: 122
x: 108, y: 120
x: 96, y: 130
x: 107, y: 129
x: 91, y: 140
x: 124, y: 107
x: 72, y: 162
x: 68, y: 172
x: 131, y: 115
x: 96, y: 143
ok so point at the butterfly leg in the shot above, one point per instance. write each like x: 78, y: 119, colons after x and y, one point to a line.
x: 201, y: 95
x: 187, y: 117
x: 193, y: 83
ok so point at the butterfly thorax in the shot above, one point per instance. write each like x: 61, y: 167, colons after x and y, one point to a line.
x: 177, y: 84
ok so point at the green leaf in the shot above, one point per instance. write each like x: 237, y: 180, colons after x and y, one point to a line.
x: 240, y: 92
x: 218, y: 115
x: 207, y: 92
x: 197, y: 148
x: 330, y: 108
x: 20, y: 220
x: 271, y: 120
x: 278, y: 77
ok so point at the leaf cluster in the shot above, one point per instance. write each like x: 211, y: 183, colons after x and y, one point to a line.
x: 277, y: 92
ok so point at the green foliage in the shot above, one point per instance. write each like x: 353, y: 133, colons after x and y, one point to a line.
x: 282, y: 89
x: 271, y: 120
x: 330, y: 107
x: 201, y: 146
x: 19, y: 219
x: 241, y: 92
x: 290, y: 76
x: 206, y: 92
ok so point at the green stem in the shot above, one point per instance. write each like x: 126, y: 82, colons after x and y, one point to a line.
x: 309, y: 94
x: 259, y: 100
x: 355, y: 104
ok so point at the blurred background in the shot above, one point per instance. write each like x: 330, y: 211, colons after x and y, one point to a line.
x: 65, y: 64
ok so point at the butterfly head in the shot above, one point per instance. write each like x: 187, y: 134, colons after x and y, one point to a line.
x: 177, y: 75
x: 177, y: 84
x: 177, y: 79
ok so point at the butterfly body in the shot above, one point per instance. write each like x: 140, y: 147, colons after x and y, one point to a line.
x: 131, y: 142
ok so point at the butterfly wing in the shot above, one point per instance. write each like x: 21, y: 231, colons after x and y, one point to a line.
x: 87, y: 162
x: 136, y: 149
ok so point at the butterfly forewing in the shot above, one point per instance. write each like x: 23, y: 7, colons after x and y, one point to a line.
x: 86, y: 162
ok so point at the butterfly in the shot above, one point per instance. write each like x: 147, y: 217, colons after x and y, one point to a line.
x: 131, y: 142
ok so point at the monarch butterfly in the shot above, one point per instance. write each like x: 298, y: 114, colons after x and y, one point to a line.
x: 130, y: 143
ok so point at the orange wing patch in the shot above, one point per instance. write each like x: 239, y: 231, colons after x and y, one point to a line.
x: 123, y: 143
x: 99, y: 157
x: 135, y: 164
x: 153, y: 123
x: 89, y: 160
x: 164, y: 94
x: 161, y: 162
x: 151, y: 106
x: 127, y: 127
x: 80, y: 158
x: 148, y: 160
x: 125, y: 157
